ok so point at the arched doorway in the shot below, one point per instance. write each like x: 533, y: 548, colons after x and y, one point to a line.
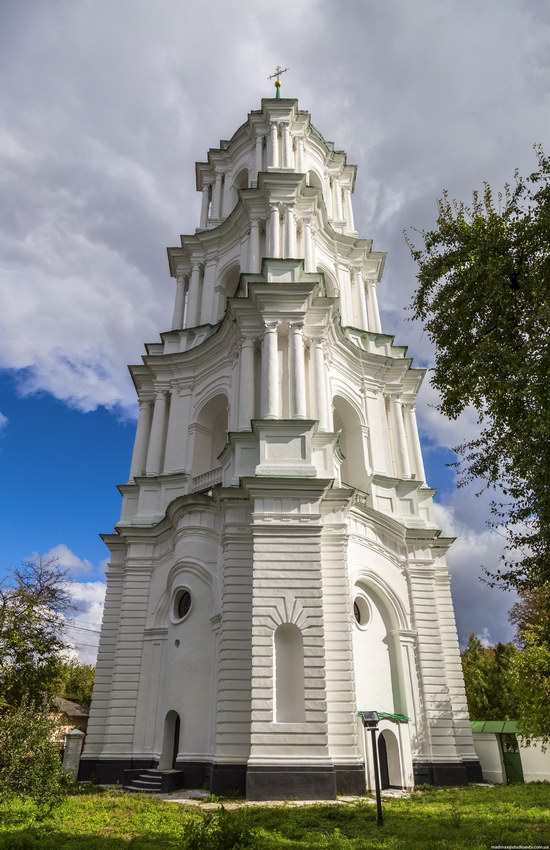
x: 170, y: 741
x: 388, y: 756
x: 383, y: 762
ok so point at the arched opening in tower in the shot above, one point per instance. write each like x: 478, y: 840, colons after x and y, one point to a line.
x: 210, y: 431
x: 352, y: 444
x: 240, y: 182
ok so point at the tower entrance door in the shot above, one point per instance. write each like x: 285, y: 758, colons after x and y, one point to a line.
x: 171, y: 741
x: 383, y: 762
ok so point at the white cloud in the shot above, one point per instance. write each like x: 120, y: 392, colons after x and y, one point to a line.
x: 67, y: 559
x: 97, y: 171
x: 84, y: 623
x: 3, y: 422
x: 446, y: 433
x: 479, y: 608
x: 485, y: 637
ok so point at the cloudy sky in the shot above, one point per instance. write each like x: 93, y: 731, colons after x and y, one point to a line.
x: 104, y: 109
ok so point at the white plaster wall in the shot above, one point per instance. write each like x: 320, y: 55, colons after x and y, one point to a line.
x: 535, y: 762
x: 489, y: 753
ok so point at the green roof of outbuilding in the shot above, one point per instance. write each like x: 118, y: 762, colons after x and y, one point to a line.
x: 498, y: 726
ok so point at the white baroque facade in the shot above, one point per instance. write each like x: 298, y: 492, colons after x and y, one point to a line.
x: 277, y: 567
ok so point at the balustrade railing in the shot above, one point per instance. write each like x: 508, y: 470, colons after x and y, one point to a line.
x: 207, y: 480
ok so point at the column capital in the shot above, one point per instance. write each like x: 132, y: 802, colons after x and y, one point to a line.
x: 145, y: 403
x: 160, y: 392
x: 270, y: 327
x: 296, y: 325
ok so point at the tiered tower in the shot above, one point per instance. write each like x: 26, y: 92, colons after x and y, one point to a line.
x: 276, y: 567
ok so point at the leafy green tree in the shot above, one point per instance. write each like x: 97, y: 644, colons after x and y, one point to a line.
x: 530, y: 610
x: 30, y: 766
x: 477, y: 675
x: 529, y: 676
x: 31, y: 632
x: 484, y: 297
x: 77, y: 682
x: 486, y: 678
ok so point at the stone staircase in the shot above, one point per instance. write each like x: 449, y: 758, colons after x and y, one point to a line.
x: 153, y: 781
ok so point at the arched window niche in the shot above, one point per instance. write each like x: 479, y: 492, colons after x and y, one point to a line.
x: 289, y: 675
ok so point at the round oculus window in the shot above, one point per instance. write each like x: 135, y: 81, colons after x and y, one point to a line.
x: 182, y: 604
x: 361, y: 611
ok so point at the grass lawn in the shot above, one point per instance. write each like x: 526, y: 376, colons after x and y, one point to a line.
x: 458, y: 818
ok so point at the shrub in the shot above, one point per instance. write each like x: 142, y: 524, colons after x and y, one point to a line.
x: 221, y: 831
x: 30, y: 766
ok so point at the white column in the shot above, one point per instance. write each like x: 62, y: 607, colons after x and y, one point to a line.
x: 270, y: 373
x: 399, y: 438
x: 349, y: 208
x: 154, y: 454
x: 290, y: 232
x: 374, y: 312
x: 258, y: 156
x: 274, y: 232
x: 254, y: 247
x: 143, y: 430
x: 287, y: 147
x: 174, y: 454
x: 297, y: 371
x: 193, y: 301
x: 328, y: 196
x: 321, y: 397
x: 361, y: 295
x: 179, y: 306
x: 273, y: 145
x: 338, y: 213
x: 246, y: 384
x: 217, y: 196
x: 205, y: 205
x: 309, y: 247
x: 411, y: 429
x: 300, y: 156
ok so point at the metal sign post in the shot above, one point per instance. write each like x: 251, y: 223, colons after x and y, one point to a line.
x: 370, y: 721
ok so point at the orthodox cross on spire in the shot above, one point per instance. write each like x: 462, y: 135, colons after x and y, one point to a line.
x: 278, y: 72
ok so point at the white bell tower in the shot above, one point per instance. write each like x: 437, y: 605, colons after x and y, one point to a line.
x: 276, y: 567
